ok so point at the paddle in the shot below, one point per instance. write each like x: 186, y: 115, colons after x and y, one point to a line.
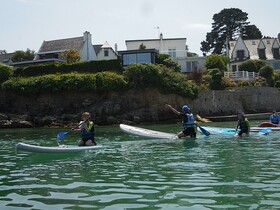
x: 63, y: 134
x: 204, y: 131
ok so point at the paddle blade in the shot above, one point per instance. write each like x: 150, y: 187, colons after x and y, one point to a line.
x: 61, y: 135
x: 205, y: 132
x: 265, y: 131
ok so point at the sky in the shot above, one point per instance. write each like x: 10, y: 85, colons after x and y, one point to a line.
x: 27, y: 23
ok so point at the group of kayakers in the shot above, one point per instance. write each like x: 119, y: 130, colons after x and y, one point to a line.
x: 242, y: 127
x: 86, y: 125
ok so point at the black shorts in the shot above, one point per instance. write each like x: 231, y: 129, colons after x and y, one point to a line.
x: 93, y: 141
x: 242, y: 131
x: 190, y: 132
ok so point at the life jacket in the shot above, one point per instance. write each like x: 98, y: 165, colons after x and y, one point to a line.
x: 89, y: 132
x: 242, y: 125
x: 188, y: 120
x: 274, y: 119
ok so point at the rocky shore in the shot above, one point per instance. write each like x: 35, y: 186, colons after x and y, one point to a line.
x: 134, y: 106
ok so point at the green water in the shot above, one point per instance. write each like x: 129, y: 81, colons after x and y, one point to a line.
x: 139, y: 173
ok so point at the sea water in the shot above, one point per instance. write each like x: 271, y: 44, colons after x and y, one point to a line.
x: 215, y: 172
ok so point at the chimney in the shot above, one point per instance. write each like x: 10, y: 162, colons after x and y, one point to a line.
x: 116, y: 47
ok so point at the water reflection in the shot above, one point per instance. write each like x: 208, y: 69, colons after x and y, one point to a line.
x: 132, y: 172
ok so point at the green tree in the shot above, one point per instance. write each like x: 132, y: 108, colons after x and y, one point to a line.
x: 71, y: 56
x: 142, y: 47
x: 249, y: 65
x: 252, y: 65
x: 251, y: 32
x: 216, y: 61
x: 267, y: 73
x: 5, y: 73
x: 228, y: 24
x: 20, y: 55
x: 216, y: 81
x: 165, y: 59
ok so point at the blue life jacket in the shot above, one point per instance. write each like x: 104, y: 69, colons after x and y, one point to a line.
x: 274, y: 119
x: 187, y: 120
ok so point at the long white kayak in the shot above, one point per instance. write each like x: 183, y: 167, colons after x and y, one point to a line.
x: 147, y: 132
x: 58, y: 149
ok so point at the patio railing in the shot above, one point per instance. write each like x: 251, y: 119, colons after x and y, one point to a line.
x: 241, y: 75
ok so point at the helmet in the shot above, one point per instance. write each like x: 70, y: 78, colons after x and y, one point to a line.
x: 185, y: 108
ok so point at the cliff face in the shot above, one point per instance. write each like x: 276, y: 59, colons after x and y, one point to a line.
x: 135, y: 106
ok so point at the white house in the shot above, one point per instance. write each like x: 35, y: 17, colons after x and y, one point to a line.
x: 175, y: 47
x: 265, y: 49
x: 53, y: 49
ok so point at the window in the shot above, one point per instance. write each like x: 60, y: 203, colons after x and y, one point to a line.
x: 275, y: 52
x: 129, y: 59
x: 240, y: 55
x: 137, y: 58
x: 172, y: 53
x: 106, y: 53
x: 191, y: 65
x: 234, y: 68
x: 261, y: 53
x: 144, y: 58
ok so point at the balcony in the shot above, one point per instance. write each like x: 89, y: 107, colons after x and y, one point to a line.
x: 241, y: 75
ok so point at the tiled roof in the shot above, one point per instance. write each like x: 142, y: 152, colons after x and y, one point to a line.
x: 63, y: 44
x: 6, y: 57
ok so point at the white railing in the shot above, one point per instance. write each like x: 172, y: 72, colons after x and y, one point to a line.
x: 241, y: 75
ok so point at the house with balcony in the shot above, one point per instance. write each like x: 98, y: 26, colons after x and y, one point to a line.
x: 174, y: 47
x: 267, y: 49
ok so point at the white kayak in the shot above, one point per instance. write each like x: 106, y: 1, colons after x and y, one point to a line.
x: 147, y: 132
x: 57, y: 149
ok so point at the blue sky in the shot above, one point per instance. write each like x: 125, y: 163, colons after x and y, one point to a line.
x: 27, y: 23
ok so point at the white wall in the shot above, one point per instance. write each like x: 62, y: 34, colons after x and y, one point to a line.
x: 111, y: 55
x: 87, y: 52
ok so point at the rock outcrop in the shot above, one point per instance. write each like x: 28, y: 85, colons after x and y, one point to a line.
x: 138, y: 106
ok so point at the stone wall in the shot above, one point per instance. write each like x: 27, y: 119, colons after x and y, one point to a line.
x: 135, y: 106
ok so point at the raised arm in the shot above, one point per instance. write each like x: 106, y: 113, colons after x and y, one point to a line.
x: 173, y: 109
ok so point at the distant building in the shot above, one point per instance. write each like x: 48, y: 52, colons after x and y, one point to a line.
x: 51, y: 51
x: 6, y: 58
x: 174, y: 47
x: 267, y: 49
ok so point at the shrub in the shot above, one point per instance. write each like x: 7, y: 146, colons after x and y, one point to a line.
x: 216, y: 79
x: 81, y: 67
x: 142, y: 75
x: 5, y: 73
x: 215, y: 61
x: 66, y: 82
x: 248, y: 65
x: 267, y: 73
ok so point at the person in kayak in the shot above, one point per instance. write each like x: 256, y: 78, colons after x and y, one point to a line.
x: 274, y: 118
x: 86, y: 126
x: 243, y: 124
x: 187, y: 120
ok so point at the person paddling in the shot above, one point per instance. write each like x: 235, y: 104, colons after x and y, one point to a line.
x: 243, y: 124
x: 86, y: 126
x: 187, y: 120
x: 274, y: 118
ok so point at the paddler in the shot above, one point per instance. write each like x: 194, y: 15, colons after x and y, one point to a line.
x: 187, y: 121
x: 243, y: 124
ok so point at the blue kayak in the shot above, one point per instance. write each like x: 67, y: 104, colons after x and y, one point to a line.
x: 231, y: 131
